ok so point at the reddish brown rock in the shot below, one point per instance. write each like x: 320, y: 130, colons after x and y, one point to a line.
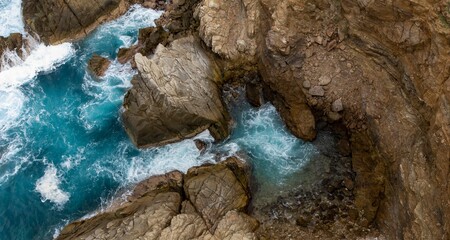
x: 98, y: 65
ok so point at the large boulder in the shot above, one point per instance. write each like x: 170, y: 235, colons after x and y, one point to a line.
x: 57, y: 21
x: 159, y: 209
x: 175, y: 96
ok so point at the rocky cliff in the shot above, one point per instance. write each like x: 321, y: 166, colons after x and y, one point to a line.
x: 382, y: 68
x: 57, y: 21
x: 205, y: 203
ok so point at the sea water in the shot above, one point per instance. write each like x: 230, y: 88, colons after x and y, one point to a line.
x: 64, y: 152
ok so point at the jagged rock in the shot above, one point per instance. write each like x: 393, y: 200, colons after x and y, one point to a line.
x: 201, y: 145
x: 175, y: 96
x: 254, y: 94
x: 214, y: 190
x: 98, y: 65
x: 14, y: 42
x: 154, y: 4
x: 397, y: 84
x: 57, y: 21
x: 157, y: 208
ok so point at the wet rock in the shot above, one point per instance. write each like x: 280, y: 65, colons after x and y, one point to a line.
x: 201, y: 145
x: 317, y: 91
x: 254, y: 94
x: 13, y: 42
x: 56, y: 21
x: 125, y: 54
x: 98, y: 65
x: 175, y: 96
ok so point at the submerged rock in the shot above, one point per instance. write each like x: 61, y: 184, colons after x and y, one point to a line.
x: 98, y: 65
x: 175, y: 96
x: 56, y: 21
x: 159, y: 208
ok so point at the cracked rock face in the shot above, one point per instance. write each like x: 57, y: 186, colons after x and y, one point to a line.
x: 56, y: 21
x: 175, y: 96
x: 157, y: 209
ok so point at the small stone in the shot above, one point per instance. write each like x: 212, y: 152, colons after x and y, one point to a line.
x: 330, y: 32
x: 342, y: 59
x: 324, y: 80
x: 349, y: 65
x: 317, y: 91
x: 337, y: 105
x: 319, y: 40
x: 306, y: 84
x: 316, y: 64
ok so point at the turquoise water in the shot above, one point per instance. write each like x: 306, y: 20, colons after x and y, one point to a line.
x: 64, y: 153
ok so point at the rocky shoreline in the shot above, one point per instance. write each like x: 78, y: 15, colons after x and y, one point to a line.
x: 377, y: 73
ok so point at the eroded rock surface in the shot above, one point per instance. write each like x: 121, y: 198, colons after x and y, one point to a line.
x: 14, y: 42
x: 175, y: 96
x: 98, y: 65
x: 57, y: 21
x: 159, y: 209
x: 387, y: 62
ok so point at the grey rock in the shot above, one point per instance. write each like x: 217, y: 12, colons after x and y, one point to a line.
x: 317, y: 91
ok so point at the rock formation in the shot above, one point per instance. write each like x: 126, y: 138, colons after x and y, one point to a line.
x: 175, y: 96
x: 98, y: 65
x: 13, y: 42
x: 206, y: 203
x: 380, y: 67
x: 383, y: 65
x: 56, y: 21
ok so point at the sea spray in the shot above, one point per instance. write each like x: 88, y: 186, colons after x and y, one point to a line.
x: 11, y: 17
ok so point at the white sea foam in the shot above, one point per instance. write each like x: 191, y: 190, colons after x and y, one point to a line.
x: 136, y: 17
x: 48, y: 187
x: 10, y: 17
x: 41, y: 59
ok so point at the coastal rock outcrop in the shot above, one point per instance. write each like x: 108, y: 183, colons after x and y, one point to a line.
x: 56, y: 21
x: 206, y: 203
x: 98, y: 65
x: 175, y: 96
x: 14, y: 42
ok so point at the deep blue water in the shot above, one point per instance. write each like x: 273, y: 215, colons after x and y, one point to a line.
x: 64, y: 153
